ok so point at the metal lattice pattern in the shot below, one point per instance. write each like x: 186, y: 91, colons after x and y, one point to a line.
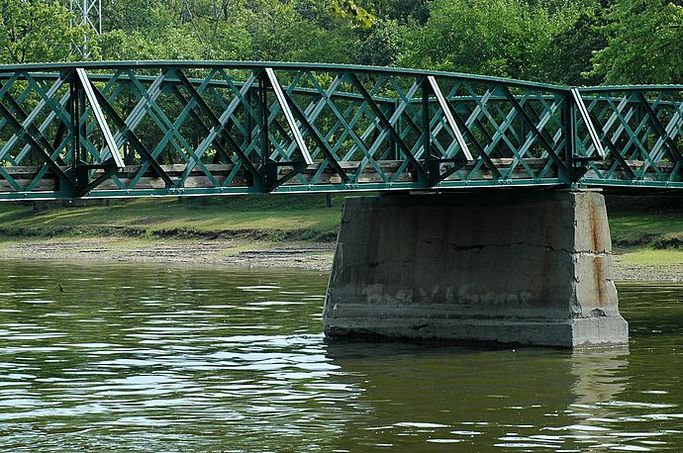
x: 189, y: 128
x: 87, y: 13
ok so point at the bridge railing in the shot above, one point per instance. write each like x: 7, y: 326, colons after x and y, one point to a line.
x: 202, y: 128
x: 640, y: 136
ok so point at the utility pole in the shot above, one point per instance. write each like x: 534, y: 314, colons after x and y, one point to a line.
x: 89, y: 14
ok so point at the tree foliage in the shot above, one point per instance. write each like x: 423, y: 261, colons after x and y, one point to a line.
x: 36, y: 30
x: 644, y: 43
x: 566, y: 41
x: 349, y: 8
x: 572, y: 49
x: 497, y: 37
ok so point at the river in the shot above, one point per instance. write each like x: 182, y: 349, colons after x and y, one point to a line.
x: 148, y: 358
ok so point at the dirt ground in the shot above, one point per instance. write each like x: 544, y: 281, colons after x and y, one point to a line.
x: 304, y: 255
x: 652, y: 272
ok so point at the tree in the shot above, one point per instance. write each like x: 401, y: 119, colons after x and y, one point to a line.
x: 38, y: 30
x: 570, y: 54
x: 381, y: 45
x: 401, y: 10
x: 349, y: 8
x: 301, y: 30
x: 644, y: 44
x: 495, y: 37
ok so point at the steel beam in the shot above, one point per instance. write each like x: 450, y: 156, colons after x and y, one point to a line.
x: 587, y: 121
x: 446, y: 108
x: 99, y: 117
x: 296, y: 133
x: 208, y: 128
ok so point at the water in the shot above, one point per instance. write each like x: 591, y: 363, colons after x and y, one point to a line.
x: 142, y: 358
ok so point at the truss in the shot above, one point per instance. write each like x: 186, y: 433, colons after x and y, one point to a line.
x: 100, y: 130
x: 89, y: 14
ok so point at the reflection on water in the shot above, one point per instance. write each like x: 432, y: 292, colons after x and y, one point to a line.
x: 151, y: 359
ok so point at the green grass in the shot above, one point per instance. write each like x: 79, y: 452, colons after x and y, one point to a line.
x: 650, y: 256
x: 261, y: 217
x: 648, y: 237
x: 658, y: 230
x: 639, y: 236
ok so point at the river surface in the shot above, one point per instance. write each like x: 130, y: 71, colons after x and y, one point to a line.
x: 145, y: 358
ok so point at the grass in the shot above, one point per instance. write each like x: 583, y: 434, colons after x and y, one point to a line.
x: 648, y: 236
x: 640, y: 236
x: 648, y: 256
x: 259, y: 217
x: 655, y: 229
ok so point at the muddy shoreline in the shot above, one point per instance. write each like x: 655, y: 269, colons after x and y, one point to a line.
x: 315, y: 256
x: 227, y: 252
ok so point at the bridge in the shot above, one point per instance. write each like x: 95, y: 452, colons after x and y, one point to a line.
x: 445, y: 257
x: 129, y: 129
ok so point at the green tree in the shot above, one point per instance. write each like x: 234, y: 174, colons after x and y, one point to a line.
x: 570, y: 53
x: 349, y: 8
x: 400, y: 10
x: 644, y: 44
x: 39, y: 30
x: 496, y: 37
x: 301, y: 30
x: 147, y: 29
x: 382, y: 44
x: 280, y: 32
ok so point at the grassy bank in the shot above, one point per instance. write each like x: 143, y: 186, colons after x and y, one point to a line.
x: 660, y: 230
x: 641, y: 236
x: 648, y: 233
x: 271, y: 218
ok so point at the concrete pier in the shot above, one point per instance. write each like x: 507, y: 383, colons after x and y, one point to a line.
x: 531, y: 268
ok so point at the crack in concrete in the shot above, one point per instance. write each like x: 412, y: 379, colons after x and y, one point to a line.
x: 466, y: 248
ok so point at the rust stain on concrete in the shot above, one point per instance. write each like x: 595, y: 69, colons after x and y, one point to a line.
x: 598, y: 271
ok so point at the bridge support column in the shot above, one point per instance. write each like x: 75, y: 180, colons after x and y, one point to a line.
x: 531, y: 268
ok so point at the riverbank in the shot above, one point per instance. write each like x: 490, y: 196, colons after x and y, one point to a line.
x: 633, y: 264
x: 274, y: 231
x: 275, y: 218
x: 228, y: 252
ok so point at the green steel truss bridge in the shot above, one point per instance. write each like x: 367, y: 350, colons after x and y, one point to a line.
x: 130, y: 129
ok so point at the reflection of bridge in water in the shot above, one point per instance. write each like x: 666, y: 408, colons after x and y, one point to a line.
x: 189, y: 128
x: 501, y: 265
x: 479, y: 398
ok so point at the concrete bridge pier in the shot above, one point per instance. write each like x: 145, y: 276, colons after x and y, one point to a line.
x: 532, y: 268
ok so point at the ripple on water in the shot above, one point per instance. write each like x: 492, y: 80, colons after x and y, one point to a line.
x: 207, y: 359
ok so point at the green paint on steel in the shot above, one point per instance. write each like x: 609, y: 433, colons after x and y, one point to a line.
x: 175, y: 128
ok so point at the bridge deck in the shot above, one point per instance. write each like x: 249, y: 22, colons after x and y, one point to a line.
x: 204, y: 128
x: 228, y: 179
